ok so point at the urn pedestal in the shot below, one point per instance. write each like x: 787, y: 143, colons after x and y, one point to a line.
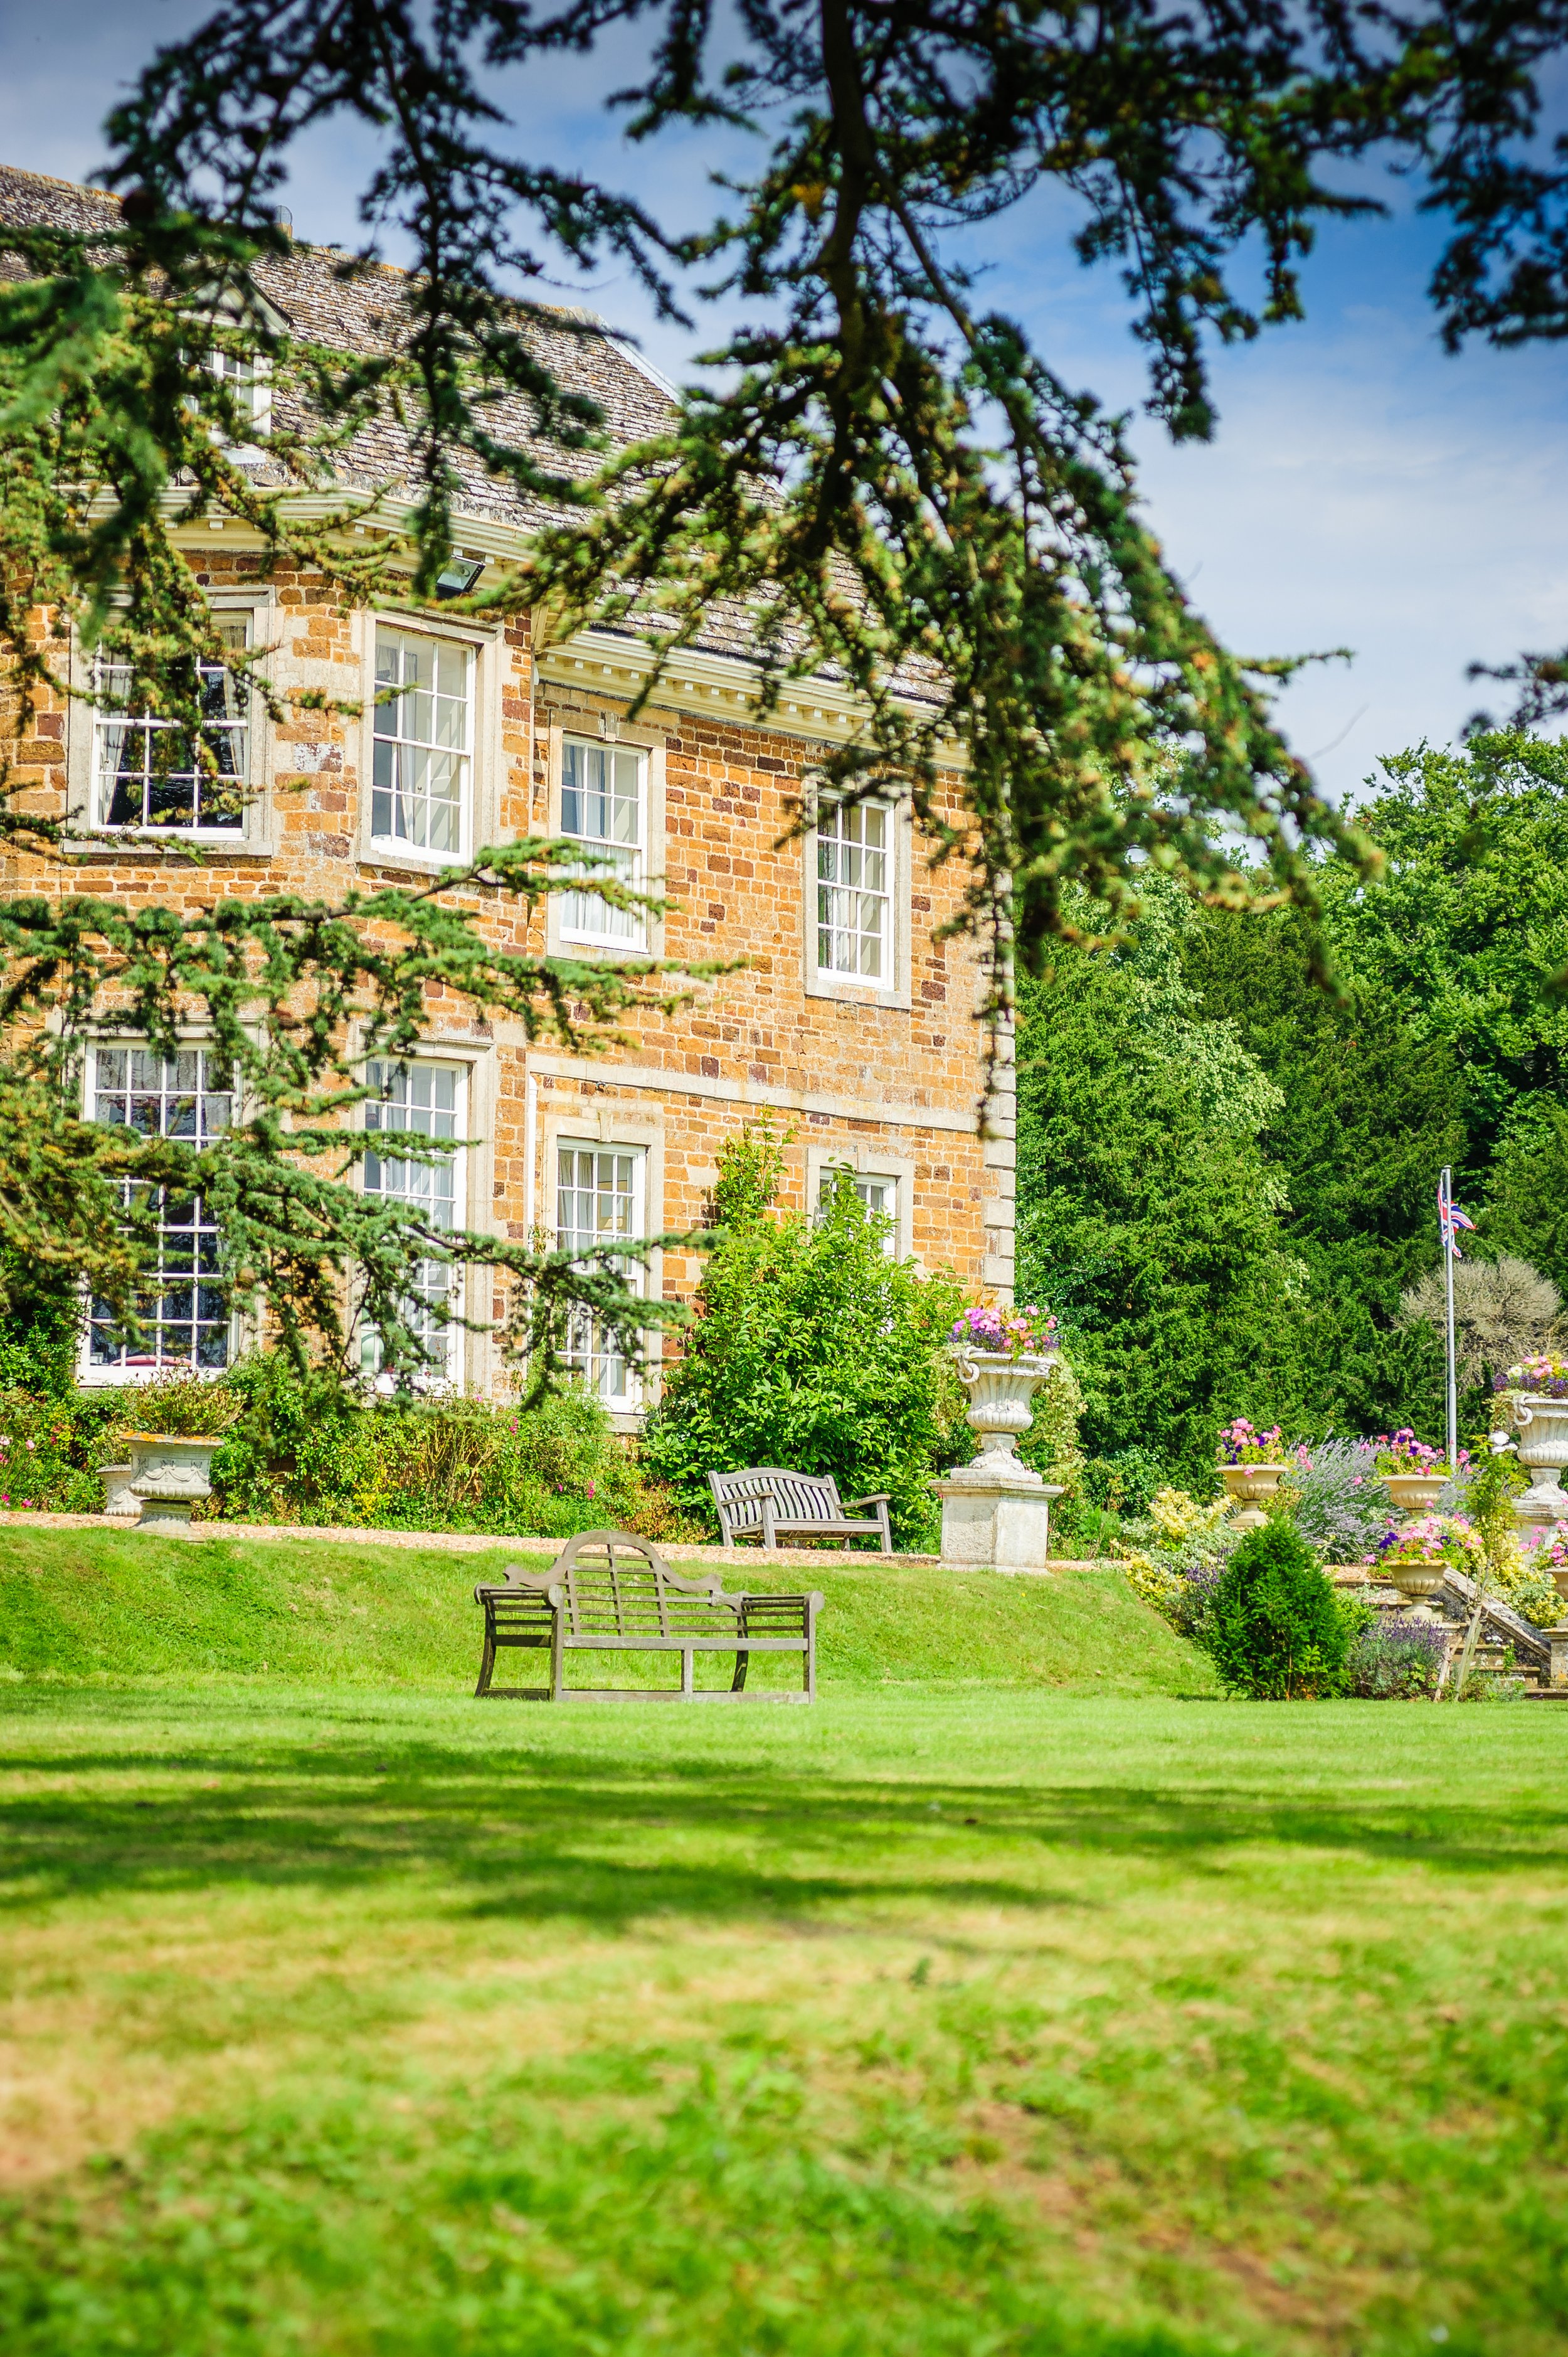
x: 996, y: 1513
x: 1250, y: 1487
x: 169, y: 1477
x: 1541, y: 1424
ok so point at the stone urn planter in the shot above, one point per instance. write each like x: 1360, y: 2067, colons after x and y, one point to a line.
x: 997, y: 1512
x: 169, y: 1475
x: 1541, y: 1424
x: 1415, y: 1494
x: 1251, y: 1486
x: 1417, y: 1582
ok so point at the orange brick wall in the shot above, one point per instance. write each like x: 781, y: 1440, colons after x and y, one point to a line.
x: 896, y: 1085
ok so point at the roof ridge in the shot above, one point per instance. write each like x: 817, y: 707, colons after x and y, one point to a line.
x: 53, y: 180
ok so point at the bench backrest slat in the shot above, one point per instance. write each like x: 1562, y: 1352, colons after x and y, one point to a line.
x: 794, y: 1496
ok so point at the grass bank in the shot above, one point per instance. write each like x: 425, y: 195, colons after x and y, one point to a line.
x: 351, y: 2020
x: 129, y: 1604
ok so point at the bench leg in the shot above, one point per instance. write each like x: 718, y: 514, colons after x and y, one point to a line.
x: 557, y: 1633
x: 486, y: 1665
x: 742, y: 1663
x: 687, y: 1683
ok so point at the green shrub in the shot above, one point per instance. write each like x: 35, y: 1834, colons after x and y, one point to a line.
x: 302, y: 1450
x: 813, y: 1350
x: 1275, y: 1628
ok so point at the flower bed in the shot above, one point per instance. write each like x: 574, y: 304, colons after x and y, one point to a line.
x: 1018, y: 1333
x: 1432, y: 1539
x: 1241, y: 1444
x: 1545, y: 1376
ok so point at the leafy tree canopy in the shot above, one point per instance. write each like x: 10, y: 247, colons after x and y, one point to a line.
x: 1465, y: 933
x: 887, y: 473
x: 812, y: 1349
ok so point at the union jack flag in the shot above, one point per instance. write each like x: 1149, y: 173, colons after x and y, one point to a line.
x: 1450, y: 1218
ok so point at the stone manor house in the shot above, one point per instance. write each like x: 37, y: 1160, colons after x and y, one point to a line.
x: 850, y: 1023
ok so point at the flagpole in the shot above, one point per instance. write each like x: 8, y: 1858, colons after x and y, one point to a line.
x: 1446, y: 1200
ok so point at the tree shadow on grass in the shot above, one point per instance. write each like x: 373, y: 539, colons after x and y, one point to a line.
x: 610, y: 1839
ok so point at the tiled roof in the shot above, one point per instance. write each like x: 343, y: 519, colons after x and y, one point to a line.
x: 326, y: 297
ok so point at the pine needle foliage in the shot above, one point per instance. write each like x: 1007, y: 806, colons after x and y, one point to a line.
x: 889, y: 475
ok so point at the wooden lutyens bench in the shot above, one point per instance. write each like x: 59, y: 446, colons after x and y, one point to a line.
x: 611, y: 1592
x: 769, y: 1503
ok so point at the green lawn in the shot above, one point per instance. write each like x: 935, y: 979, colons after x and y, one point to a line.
x: 83, y: 1604
x: 364, y: 2019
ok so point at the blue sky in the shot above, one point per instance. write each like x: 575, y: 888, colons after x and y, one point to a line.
x: 1364, y: 490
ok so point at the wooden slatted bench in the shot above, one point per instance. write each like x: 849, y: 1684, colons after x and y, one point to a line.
x: 770, y: 1502
x: 611, y: 1592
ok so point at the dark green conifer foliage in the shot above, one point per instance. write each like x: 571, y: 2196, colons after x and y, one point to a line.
x: 1369, y: 1111
x: 1149, y: 1211
x: 1276, y: 1630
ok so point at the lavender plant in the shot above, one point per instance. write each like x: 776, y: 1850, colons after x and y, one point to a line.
x: 1391, y: 1658
x: 1342, y: 1504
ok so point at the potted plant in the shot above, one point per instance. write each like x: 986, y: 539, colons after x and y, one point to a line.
x: 1003, y: 1356
x: 1251, y: 1466
x: 1415, y: 1475
x: 1415, y: 1559
x: 1547, y: 1553
x: 1534, y: 1401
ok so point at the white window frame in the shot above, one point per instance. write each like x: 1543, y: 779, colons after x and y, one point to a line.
x: 448, y: 1376
x: 845, y: 896
x: 106, y: 717
x: 872, y: 1164
x: 865, y: 1184
x: 596, y: 1367
x: 400, y: 851
x: 891, y: 987
x: 124, y: 1372
x: 585, y: 915
x: 577, y: 725
x: 251, y: 377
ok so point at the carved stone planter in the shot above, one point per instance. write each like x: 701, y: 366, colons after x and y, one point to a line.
x: 170, y: 1477
x: 997, y: 1512
x: 119, y: 1498
x: 1415, y: 1494
x: 1541, y: 1424
x: 1251, y: 1486
x: 1417, y: 1582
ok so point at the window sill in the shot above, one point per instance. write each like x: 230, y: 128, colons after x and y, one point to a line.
x: 848, y: 992
x: 106, y: 845
x: 575, y: 945
x: 398, y: 860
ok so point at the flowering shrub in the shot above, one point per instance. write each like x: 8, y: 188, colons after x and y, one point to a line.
x: 1339, y: 1500
x: 1018, y: 1332
x: 1434, y: 1538
x: 1549, y: 1548
x: 1402, y: 1452
x: 1545, y: 1375
x: 1184, y: 1546
x: 1240, y: 1445
x: 1526, y: 1581
x: 1392, y: 1658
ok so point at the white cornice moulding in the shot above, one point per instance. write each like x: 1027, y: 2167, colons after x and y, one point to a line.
x: 602, y: 661
x: 887, y: 1113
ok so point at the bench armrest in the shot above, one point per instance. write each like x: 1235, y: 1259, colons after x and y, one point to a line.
x: 878, y: 1498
